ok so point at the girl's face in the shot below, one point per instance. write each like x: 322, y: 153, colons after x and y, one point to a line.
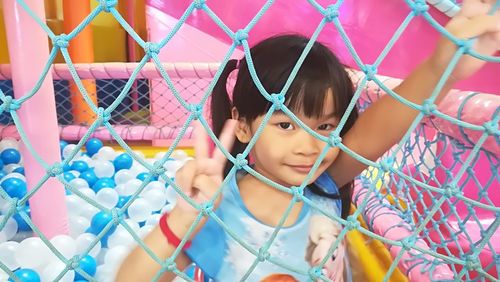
x: 284, y: 152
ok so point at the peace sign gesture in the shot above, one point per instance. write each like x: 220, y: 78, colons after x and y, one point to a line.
x: 201, y: 177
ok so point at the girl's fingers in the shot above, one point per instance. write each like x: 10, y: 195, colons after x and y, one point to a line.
x: 226, y: 138
x: 201, y: 146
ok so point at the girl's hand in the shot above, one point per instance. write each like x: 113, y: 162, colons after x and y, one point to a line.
x: 471, y: 22
x: 200, y: 178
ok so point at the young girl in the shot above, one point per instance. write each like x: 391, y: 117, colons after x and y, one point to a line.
x: 285, y: 154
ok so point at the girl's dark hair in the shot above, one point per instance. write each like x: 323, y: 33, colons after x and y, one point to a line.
x: 274, y: 59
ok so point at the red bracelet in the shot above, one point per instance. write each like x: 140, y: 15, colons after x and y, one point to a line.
x: 171, y: 237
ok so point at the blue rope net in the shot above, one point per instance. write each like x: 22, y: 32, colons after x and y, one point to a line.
x: 429, y: 206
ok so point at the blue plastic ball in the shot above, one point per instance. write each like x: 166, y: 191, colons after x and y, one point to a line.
x: 2, y: 174
x: 21, y: 223
x: 15, y: 187
x: 66, y: 167
x: 80, y: 166
x: 122, y: 200
x: 89, y: 176
x: 99, y: 221
x: 19, y: 170
x: 68, y: 176
x: 62, y: 144
x: 143, y: 175
x: 103, y: 183
x: 87, y: 264
x: 26, y: 275
x: 123, y: 161
x: 93, y: 146
x: 1, y: 164
x: 10, y: 156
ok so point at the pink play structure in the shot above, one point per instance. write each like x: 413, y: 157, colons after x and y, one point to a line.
x: 190, y: 57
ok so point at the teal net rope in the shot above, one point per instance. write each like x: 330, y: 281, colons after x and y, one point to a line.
x: 426, y: 193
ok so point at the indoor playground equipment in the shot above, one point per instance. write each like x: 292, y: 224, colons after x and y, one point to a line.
x: 70, y: 210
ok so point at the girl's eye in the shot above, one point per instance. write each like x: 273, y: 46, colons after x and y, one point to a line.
x: 326, y: 126
x: 285, y: 125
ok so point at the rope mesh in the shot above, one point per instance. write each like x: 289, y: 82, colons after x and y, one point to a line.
x: 423, y: 177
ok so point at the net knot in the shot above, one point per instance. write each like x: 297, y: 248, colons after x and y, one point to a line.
x: 200, y: 4
x: 158, y: 169
x: 428, y: 107
x: 241, y: 161
x: 370, y: 71
x: 334, y: 139
x: 451, y: 190
x: 352, y: 223
x: 61, y: 41
x: 116, y: 215
x: 195, y: 110
x: 419, y: 7
x: 10, y: 104
x: 472, y: 263
x: 386, y: 164
x: 55, y: 170
x: 315, y: 273
x: 170, y: 265
x: 491, y: 128
x: 104, y: 115
x: 408, y: 242
x: 263, y: 254
x: 107, y: 5
x: 298, y: 193
x: 74, y: 262
x: 151, y: 48
x: 277, y: 100
x: 465, y: 44
x: 240, y: 36
x: 331, y: 12
x: 207, y: 208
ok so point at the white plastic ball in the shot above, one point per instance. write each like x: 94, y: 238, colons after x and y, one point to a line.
x: 14, y: 175
x: 172, y: 165
x: 131, y: 187
x: 54, y: 269
x: 9, y: 143
x: 171, y: 195
x: 107, y: 197
x: 83, y: 242
x: 103, y: 273
x: 68, y: 150
x: 9, y: 230
x: 153, y: 220
x: 180, y: 155
x: 120, y: 237
x: 78, y: 225
x: 123, y: 176
x: 32, y: 253
x: 139, y: 210
x: 7, y: 254
x: 156, y: 198
x: 10, y: 168
x: 167, y: 208
x: 106, y: 153
x: 74, y: 204
x: 104, y: 169
x: 160, y: 155
x: 115, y: 256
x: 79, y: 183
x: 65, y: 245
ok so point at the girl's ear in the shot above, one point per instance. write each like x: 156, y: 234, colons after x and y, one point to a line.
x: 242, y: 132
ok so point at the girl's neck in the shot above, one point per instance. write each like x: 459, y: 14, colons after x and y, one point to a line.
x: 266, y: 203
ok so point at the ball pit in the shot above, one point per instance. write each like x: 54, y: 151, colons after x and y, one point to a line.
x: 98, y: 173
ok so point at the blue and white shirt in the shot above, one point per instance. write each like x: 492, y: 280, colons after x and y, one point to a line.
x: 222, y: 258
